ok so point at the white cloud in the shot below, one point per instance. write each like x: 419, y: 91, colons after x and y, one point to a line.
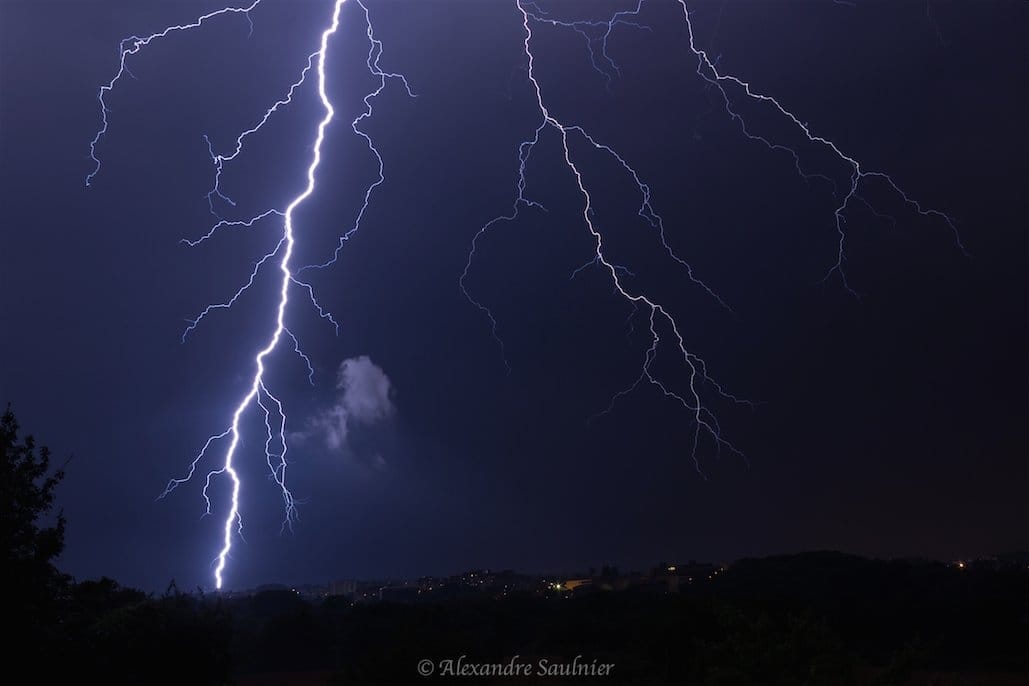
x: 365, y: 390
x: 364, y: 398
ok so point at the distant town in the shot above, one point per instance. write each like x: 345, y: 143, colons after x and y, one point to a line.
x: 491, y: 583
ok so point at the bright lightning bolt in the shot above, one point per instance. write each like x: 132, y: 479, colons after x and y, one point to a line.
x: 275, y: 446
x: 374, y: 56
x: 257, y: 385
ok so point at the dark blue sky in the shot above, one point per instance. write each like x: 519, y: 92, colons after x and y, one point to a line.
x: 890, y: 425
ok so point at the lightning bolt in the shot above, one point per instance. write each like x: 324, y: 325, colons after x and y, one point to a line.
x: 275, y: 445
x: 663, y: 325
x: 374, y: 56
x: 135, y: 44
x: 709, y: 72
x: 594, y: 32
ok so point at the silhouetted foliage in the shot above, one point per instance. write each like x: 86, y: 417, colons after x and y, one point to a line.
x: 173, y: 639
x: 954, y: 618
x: 58, y: 631
x: 28, y: 543
x: 816, y: 618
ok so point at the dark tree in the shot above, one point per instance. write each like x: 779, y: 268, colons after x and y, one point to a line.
x: 57, y: 631
x: 31, y: 536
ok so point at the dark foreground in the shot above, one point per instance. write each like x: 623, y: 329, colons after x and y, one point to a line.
x: 818, y: 618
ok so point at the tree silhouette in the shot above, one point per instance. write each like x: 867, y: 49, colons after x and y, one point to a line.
x: 29, y: 543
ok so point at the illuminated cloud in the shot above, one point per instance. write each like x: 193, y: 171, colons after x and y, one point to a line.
x: 364, y: 398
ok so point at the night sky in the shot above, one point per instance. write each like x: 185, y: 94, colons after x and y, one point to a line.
x: 894, y: 424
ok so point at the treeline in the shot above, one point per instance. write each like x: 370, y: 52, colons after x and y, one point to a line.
x: 816, y: 618
x: 59, y: 631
